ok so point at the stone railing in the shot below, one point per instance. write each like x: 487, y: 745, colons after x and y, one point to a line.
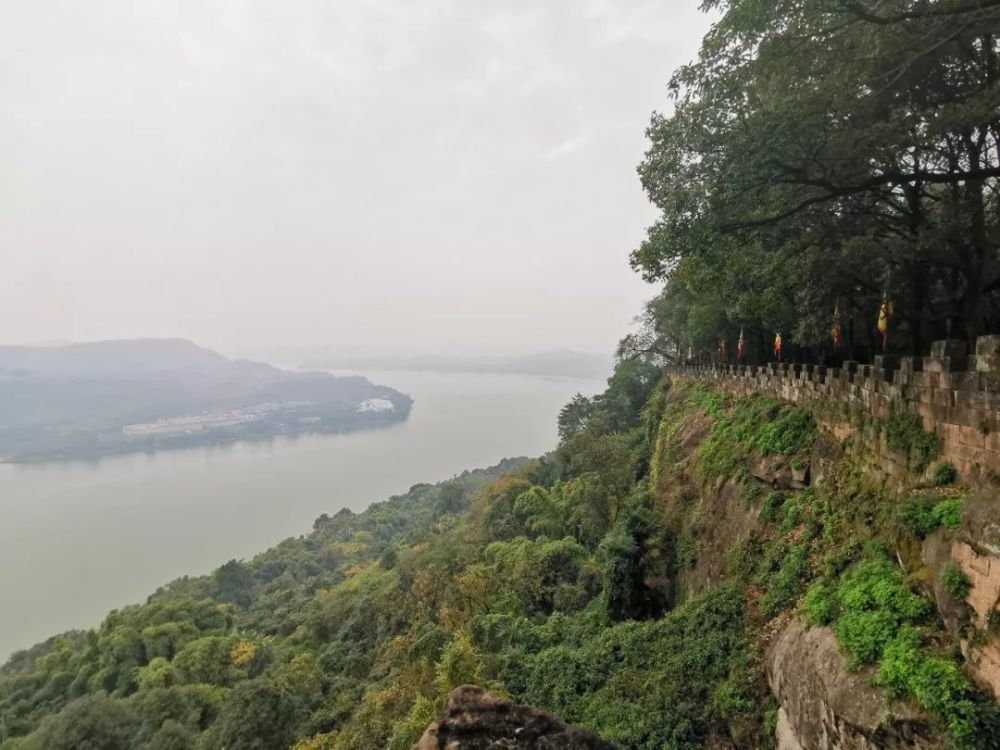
x: 956, y: 394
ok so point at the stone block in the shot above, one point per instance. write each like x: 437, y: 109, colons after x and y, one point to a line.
x: 988, y: 353
x: 911, y: 364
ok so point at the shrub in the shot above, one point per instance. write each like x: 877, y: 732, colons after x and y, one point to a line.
x: 786, y: 584
x: 948, y: 513
x: 772, y: 506
x: 916, y: 514
x: 820, y: 604
x: 905, y: 433
x: 955, y: 581
x: 875, y: 604
x: 944, y: 473
x: 792, y: 431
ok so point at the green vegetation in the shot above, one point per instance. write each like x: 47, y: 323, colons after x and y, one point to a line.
x: 944, y: 473
x: 824, y: 154
x: 879, y: 620
x: 955, y: 581
x: 904, y: 432
x: 597, y: 582
x: 922, y: 514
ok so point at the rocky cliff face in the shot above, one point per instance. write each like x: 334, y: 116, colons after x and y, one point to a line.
x: 824, y: 705
x: 477, y: 720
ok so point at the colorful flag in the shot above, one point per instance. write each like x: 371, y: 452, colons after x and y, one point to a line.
x: 884, y: 316
x: 836, y: 332
x: 722, y: 350
x: 741, y: 347
x: 777, y: 345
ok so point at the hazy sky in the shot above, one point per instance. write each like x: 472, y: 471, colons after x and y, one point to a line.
x: 418, y: 175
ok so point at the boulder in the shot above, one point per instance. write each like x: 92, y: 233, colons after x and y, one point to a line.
x: 825, y: 706
x: 477, y: 720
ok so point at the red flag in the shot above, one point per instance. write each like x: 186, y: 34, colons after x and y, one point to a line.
x: 777, y: 345
x: 740, y: 346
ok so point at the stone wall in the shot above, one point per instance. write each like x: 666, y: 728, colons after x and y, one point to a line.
x: 957, y: 395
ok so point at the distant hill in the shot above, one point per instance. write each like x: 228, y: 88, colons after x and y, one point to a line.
x: 555, y: 363
x: 112, y: 396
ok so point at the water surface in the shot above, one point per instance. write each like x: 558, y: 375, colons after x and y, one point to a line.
x: 80, y: 538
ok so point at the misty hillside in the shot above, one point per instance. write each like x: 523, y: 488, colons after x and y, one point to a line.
x: 88, y: 399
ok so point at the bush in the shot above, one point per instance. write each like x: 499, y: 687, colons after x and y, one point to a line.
x: 772, y: 506
x: 875, y: 604
x: 955, y: 581
x: 905, y: 433
x: 944, y: 473
x: 820, y: 605
x: 922, y: 515
x: 948, y: 513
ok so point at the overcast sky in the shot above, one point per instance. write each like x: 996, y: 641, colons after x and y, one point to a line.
x: 373, y: 175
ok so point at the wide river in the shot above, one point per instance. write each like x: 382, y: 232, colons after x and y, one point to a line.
x: 78, y: 539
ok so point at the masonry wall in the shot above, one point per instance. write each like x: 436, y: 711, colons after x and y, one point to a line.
x: 956, y: 394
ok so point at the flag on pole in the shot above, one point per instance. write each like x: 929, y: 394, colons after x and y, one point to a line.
x: 884, y: 316
x: 741, y: 347
x: 837, y: 332
x: 777, y: 345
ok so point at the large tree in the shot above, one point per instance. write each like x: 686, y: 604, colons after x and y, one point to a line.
x: 835, y: 151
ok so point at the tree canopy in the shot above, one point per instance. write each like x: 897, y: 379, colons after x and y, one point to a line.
x: 828, y: 153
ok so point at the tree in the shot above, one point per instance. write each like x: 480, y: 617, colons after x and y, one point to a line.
x: 256, y: 715
x: 836, y: 151
x: 93, y: 722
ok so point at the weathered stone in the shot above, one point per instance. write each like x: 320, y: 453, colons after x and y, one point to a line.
x: 828, y: 706
x: 988, y: 353
x: 477, y: 720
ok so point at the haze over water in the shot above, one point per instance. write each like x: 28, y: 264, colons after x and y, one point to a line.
x: 81, y: 538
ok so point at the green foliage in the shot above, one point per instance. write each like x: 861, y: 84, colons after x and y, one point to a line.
x: 917, y: 514
x: 904, y: 432
x: 257, y: 714
x: 948, y: 513
x: 955, y: 581
x: 874, y: 604
x: 93, y: 721
x: 756, y: 424
x: 663, y: 683
x: 921, y: 514
x: 820, y: 604
x: 944, y: 473
x: 772, y: 507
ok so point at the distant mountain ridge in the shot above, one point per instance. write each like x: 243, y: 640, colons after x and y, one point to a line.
x: 84, y: 400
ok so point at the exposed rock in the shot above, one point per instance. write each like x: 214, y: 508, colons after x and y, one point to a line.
x: 981, y: 520
x: 823, y: 705
x: 775, y: 471
x: 477, y: 720
x: 983, y: 572
x: 722, y: 522
x: 936, y: 552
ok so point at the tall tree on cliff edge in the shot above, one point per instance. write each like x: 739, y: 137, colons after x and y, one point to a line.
x: 834, y: 150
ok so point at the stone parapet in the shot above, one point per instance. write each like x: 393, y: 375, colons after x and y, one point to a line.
x: 956, y: 395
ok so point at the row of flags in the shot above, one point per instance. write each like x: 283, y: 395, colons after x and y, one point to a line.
x: 885, y: 316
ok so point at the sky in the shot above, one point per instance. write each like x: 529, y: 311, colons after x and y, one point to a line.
x: 372, y: 176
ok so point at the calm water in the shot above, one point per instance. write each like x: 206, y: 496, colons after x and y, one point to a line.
x: 80, y: 538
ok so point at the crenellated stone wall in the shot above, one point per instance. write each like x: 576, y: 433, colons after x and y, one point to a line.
x: 956, y: 394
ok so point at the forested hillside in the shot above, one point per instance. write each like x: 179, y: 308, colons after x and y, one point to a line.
x: 630, y: 582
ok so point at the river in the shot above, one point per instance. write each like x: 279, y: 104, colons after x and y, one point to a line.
x: 78, y: 539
